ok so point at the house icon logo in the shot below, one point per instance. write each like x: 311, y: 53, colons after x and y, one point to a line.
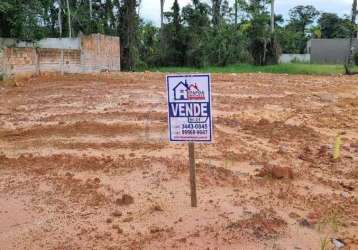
x: 185, y: 92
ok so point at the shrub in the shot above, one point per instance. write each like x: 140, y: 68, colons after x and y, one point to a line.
x: 355, y: 58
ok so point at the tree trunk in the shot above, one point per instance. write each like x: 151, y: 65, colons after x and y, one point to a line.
x: 60, y: 17
x: 90, y: 7
x: 349, y: 60
x: 272, y: 16
x: 265, y: 54
x: 69, y: 19
x: 162, y: 44
x: 216, y: 5
x: 131, y: 30
x: 162, y: 13
x: 129, y: 33
x: 109, y: 17
x: 236, y: 12
x: 60, y: 27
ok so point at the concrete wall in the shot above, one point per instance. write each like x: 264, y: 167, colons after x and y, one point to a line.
x: 47, y: 43
x: 7, y: 42
x: 53, y: 43
x: 88, y: 54
x: 330, y: 51
x: 289, y: 58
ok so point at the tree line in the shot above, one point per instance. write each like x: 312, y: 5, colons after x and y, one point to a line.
x: 199, y: 34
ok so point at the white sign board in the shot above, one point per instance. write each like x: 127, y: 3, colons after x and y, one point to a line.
x: 189, y: 108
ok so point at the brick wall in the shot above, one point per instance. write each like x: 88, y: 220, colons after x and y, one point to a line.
x: 97, y: 53
x: 19, y: 61
x: 50, y: 60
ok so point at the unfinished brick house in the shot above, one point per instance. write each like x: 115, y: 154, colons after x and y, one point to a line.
x: 86, y: 54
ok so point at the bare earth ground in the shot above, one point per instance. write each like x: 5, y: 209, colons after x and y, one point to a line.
x: 71, y: 147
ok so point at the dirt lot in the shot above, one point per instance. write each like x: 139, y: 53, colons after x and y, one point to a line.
x: 85, y: 164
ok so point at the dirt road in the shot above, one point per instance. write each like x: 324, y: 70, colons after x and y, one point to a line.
x: 85, y: 164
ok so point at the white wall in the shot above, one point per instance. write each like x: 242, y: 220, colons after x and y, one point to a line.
x: 288, y: 58
x: 53, y: 43
x: 7, y: 42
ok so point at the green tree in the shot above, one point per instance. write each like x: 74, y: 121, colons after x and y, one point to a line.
x: 216, y: 12
x: 290, y: 41
x: 19, y: 19
x: 196, y: 17
x: 332, y: 26
x: 302, y: 16
x: 128, y: 32
x: 175, y: 46
x: 300, y: 19
x: 149, y: 45
x: 261, y: 45
x: 226, y: 45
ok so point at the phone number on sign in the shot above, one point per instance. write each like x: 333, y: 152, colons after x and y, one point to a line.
x: 194, y: 132
x: 195, y: 126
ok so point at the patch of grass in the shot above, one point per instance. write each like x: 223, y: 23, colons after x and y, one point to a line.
x: 292, y: 68
x: 333, y: 219
x: 325, y: 243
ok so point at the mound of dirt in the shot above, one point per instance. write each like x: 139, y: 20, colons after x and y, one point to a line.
x: 276, y: 172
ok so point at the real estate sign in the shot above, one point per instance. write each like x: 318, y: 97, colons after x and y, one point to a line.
x: 189, y: 108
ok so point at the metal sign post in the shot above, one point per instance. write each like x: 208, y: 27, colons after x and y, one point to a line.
x: 190, y: 115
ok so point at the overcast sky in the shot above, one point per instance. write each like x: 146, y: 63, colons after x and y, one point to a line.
x: 150, y: 9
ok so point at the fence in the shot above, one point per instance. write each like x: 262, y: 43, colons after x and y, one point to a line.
x: 331, y: 51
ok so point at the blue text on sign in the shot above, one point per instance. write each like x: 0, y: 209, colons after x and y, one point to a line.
x: 199, y: 109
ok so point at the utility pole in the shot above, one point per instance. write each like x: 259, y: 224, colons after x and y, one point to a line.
x: 69, y: 19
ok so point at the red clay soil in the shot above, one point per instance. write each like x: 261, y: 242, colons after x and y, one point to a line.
x: 85, y: 163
